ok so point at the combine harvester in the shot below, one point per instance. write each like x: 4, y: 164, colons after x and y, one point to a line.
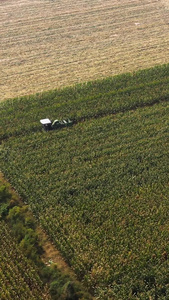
x: 49, y: 125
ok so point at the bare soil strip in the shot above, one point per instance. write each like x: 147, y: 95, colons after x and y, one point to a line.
x: 48, y: 44
x: 51, y: 255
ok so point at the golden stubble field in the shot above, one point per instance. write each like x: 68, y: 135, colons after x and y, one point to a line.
x: 46, y: 44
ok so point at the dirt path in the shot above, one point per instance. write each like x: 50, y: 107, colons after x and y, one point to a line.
x: 52, y: 255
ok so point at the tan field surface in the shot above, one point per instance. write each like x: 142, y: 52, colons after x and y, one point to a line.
x: 47, y: 44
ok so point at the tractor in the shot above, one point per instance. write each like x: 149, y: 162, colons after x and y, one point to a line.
x: 56, y: 124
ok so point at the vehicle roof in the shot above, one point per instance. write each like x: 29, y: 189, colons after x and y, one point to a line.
x: 45, y: 121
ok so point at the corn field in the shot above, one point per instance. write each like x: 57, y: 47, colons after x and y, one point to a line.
x: 100, y: 188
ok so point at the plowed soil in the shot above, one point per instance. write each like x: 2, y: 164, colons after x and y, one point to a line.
x: 46, y: 44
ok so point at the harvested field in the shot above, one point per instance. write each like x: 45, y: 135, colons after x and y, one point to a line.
x: 48, y: 44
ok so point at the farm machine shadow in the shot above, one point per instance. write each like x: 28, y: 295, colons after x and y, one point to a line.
x: 48, y: 125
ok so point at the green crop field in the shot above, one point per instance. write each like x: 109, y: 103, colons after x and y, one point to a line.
x: 18, y: 279
x: 99, y: 188
x: 47, y: 43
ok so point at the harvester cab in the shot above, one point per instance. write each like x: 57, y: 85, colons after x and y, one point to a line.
x: 47, y: 124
